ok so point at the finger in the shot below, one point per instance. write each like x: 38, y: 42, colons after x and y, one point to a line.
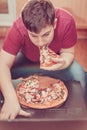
x: 58, y: 60
x: 12, y: 116
x: 48, y: 68
x: 53, y: 67
x: 4, y: 116
x: 24, y: 113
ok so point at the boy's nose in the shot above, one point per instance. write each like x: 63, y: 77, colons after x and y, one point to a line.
x: 40, y: 41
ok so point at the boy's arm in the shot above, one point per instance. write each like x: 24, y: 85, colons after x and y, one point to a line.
x: 11, y: 107
x: 68, y: 56
x: 64, y: 60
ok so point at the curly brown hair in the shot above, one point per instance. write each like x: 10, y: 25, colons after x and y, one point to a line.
x: 37, y: 14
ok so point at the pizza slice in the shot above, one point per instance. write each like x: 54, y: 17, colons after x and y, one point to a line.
x: 41, y: 92
x: 46, y: 55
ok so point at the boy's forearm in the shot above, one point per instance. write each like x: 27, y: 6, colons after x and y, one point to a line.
x: 68, y: 58
x: 5, y: 82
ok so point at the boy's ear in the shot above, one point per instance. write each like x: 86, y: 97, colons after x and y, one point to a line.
x: 55, y: 23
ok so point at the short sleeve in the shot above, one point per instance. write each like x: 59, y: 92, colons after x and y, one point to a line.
x: 13, y: 40
x: 70, y: 34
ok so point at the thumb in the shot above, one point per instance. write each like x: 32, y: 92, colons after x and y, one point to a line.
x: 24, y: 113
x: 57, y: 60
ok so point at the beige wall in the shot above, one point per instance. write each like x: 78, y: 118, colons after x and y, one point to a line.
x: 76, y: 7
x: 19, y: 5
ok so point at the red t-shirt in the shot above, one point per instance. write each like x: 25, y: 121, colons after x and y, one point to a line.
x: 65, y: 36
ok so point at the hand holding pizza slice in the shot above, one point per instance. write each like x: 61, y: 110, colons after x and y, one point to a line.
x: 49, y: 60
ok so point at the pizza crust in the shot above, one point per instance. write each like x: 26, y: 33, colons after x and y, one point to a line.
x: 44, y: 83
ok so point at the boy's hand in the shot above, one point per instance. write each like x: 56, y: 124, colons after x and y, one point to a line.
x: 59, y: 63
x: 11, y: 109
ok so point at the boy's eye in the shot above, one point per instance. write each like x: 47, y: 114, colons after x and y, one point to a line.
x: 34, y: 36
x: 46, y: 34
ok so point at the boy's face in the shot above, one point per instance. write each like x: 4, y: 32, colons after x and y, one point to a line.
x: 45, y: 36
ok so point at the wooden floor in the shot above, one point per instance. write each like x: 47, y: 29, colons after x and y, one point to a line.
x: 80, y: 52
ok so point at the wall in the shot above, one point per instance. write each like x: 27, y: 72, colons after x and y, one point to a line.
x: 76, y: 7
x: 19, y: 6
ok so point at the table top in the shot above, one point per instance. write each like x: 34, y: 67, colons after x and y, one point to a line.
x: 73, y: 109
x: 71, y: 115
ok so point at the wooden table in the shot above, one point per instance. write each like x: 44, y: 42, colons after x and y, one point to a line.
x: 71, y: 115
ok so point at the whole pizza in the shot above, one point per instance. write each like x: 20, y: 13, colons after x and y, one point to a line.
x: 46, y: 55
x: 41, y: 92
